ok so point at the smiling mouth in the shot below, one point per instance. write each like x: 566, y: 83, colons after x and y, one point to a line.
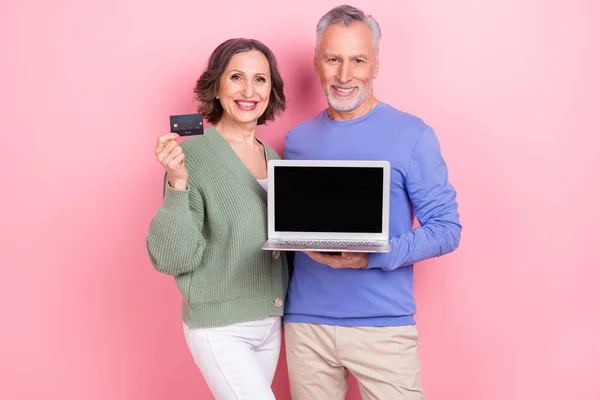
x: 342, y: 91
x: 246, y: 105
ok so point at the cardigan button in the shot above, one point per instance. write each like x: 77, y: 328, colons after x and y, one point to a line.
x: 276, y: 254
x: 278, y: 303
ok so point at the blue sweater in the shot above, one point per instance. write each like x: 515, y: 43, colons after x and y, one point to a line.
x: 382, y: 294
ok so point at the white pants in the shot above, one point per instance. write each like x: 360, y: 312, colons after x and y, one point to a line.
x: 238, y: 362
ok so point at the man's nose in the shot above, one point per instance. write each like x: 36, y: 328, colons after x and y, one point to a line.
x: 344, y: 73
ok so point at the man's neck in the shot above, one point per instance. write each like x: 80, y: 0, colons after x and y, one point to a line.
x: 363, y: 109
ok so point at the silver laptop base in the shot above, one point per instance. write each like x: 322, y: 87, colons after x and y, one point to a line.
x: 284, y: 245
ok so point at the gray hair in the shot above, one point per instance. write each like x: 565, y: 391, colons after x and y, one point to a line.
x: 346, y: 15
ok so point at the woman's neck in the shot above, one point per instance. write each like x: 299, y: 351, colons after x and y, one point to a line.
x: 235, y: 132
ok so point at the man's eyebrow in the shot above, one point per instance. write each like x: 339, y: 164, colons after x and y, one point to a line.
x: 355, y: 57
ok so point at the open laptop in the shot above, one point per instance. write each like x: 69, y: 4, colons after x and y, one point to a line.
x: 328, y: 206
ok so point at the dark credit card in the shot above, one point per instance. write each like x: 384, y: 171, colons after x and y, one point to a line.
x: 187, y: 124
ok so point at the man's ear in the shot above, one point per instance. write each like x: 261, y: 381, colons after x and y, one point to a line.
x: 376, y: 69
x: 315, y: 64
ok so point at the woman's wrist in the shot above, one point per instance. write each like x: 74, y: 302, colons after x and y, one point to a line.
x: 178, y: 184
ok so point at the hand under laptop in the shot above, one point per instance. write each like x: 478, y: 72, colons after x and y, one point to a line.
x: 340, y: 260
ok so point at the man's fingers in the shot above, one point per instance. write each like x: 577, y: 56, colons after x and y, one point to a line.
x: 311, y: 254
x: 326, y: 259
x: 315, y: 255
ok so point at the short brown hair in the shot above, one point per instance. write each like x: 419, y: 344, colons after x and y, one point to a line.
x: 207, y: 86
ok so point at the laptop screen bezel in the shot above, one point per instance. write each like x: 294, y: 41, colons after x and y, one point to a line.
x: 278, y: 235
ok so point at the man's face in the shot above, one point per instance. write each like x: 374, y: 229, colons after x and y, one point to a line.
x: 346, y: 64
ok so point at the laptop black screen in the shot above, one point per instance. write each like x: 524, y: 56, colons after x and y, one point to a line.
x: 328, y: 199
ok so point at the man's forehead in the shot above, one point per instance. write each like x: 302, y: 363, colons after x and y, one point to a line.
x: 356, y: 38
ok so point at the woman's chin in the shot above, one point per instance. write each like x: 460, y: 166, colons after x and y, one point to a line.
x: 246, y: 117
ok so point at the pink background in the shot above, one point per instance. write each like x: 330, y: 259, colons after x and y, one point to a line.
x: 510, y: 87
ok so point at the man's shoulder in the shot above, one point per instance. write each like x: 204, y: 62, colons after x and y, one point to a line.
x: 402, y: 119
x: 309, y: 123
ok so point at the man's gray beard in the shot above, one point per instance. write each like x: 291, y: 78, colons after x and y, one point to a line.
x: 336, y: 105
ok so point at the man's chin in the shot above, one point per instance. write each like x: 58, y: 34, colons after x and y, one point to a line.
x: 344, y: 105
x: 339, y: 106
x: 349, y: 103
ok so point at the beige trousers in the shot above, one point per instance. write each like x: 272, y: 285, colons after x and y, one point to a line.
x: 384, y: 361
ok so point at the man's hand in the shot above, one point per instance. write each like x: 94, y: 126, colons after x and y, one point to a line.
x: 345, y: 260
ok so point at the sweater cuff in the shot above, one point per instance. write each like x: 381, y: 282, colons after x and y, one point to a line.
x: 176, y: 199
x: 379, y: 260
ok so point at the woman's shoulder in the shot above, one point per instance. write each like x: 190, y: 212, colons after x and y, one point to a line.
x: 271, y: 153
x: 194, y: 144
x: 200, y: 156
x: 198, y: 149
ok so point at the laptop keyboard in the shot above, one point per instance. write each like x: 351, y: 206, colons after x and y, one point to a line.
x: 336, y: 243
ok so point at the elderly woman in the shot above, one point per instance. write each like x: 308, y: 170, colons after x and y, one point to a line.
x: 212, y: 223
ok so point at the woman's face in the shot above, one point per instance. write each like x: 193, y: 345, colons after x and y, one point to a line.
x: 245, y: 87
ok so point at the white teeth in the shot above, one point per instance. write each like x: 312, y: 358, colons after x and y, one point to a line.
x: 344, y: 90
x: 244, y: 104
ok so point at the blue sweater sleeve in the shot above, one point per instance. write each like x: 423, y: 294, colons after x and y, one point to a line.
x: 434, y: 202
x: 286, y: 145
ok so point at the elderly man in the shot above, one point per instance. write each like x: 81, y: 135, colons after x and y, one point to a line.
x: 354, y: 312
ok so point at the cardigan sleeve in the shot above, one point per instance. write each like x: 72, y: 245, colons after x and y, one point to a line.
x: 174, y: 241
